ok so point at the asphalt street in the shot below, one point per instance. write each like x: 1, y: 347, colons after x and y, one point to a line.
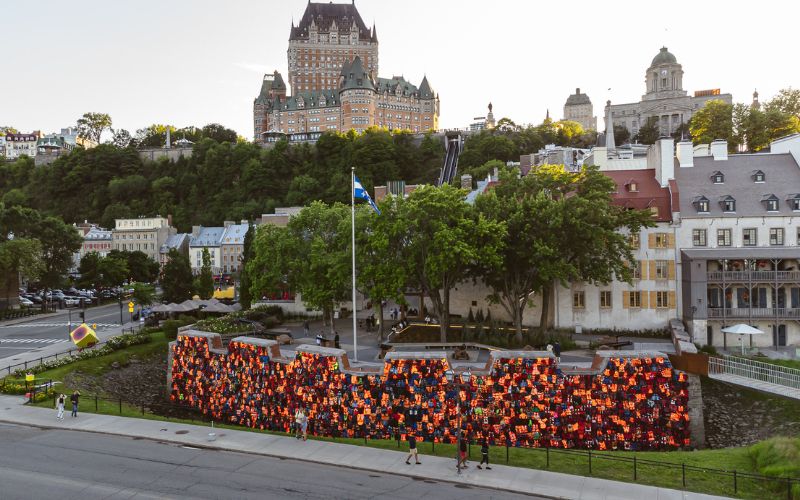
x: 41, y: 332
x: 67, y: 464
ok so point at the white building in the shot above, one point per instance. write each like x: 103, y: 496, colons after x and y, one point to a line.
x: 145, y: 234
x: 17, y: 145
x: 205, y: 238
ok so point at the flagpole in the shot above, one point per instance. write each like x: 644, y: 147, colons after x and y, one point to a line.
x: 353, y: 231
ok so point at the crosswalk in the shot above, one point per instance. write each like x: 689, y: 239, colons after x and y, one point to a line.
x: 52, y: 325
x: 31, y: 341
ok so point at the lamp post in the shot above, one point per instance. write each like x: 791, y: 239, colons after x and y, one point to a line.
x: 464, y: 382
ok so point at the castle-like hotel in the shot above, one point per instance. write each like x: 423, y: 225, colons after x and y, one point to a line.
x: 333, y: 60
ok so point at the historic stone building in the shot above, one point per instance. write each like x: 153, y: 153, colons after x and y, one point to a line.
x: 578, y: 108
x: 664, y: 98
x: 333, y: 67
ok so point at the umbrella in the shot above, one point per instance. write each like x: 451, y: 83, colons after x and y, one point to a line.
x: 741, y: 330
x: 83, y: 336
x: 160, y: 308
x: 191, y: 304
x: 218, y: 308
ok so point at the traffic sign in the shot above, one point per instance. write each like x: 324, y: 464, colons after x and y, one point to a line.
x: 130, y: 309
x: 130, y: 305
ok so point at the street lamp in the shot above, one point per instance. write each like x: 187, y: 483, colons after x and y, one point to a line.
x: 464, y: 382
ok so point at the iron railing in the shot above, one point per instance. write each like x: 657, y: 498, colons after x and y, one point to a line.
x: 755, y: 370
x: 754, y: 312
x: 747, y: 276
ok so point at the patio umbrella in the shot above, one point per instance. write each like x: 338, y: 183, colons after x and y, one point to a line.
x: 160, y: 308
x: 218, y: 308
x: 741, y: 330
x: 191, y: 304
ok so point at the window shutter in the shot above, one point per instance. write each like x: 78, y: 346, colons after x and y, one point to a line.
x: 672, y: 300
x: 670, y: 240
x: 626, y: 299
x: 653, y: 301
x: 642, y: 269
x: 651, y: 240
x: 652, y: 265
x: 644, y: 300
x: 671, y: 270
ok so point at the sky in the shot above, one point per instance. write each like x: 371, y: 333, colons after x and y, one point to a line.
x: 193, y: 62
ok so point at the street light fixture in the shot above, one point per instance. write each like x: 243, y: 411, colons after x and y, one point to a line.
x: 464, y: 381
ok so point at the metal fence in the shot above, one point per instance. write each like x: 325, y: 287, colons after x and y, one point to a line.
x: 755, y: 370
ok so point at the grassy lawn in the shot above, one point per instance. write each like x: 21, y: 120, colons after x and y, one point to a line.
x: 788, y: 363
x: 608, y: 465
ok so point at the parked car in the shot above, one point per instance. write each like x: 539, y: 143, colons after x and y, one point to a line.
x: 70, y: 301
x: 25, y: 302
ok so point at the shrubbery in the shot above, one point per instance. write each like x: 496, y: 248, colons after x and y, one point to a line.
x: 778, y: 457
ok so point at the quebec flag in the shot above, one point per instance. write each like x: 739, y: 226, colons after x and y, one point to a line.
x: 360, y: 193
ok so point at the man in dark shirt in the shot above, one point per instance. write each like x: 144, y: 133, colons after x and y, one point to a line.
x: 74, y: 399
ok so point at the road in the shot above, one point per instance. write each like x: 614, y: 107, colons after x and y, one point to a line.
x: 37, y: 333
x: 66, y: 464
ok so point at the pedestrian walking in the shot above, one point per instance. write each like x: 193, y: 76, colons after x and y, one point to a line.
x: 557, y: 351
x: 306, y: 329
x: 462, y: 454
x: 319, y: 339
x: 74, y: 400
x: 412, y: 450
x: 301, y: 421
x: 484, y: 454
x: 60, y: 406
x: 336, y: 341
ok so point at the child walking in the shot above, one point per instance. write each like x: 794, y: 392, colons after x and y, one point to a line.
x: 484, y: 454
x: 412, y: 450
x: 60, y: 406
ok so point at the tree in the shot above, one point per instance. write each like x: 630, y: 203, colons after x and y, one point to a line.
x: 112, y: 270
x: 141, y: 268
x: 444, y: 239
x: 648, y: 132
x: 559, y: 226
x: 176, y: 281
x: 713, y: 121
x: 143, y: 294
x: 377, y: 254
x: 787, y: 101
x: 18, y: 256
x: 205, y: 280
x: 621, y: 135
x: 92, y: 125
x: 310, y: 256
x: 121, y: 138
x: 245, y: 281
x: 89, y: 269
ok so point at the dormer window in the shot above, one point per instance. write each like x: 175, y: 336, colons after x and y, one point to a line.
x: 794, y: 202
x: 728, y: 203
x: 701, y: 204
x: 632, y: 186
x: 717, y: 178
x: 770, y: 202
x: 758, y: 176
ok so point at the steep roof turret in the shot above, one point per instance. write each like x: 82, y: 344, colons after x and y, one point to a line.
x: 425, y: 90
x: 356, y: 77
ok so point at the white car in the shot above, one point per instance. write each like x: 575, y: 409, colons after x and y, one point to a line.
x: 72, y: 301
x: 25, y: 302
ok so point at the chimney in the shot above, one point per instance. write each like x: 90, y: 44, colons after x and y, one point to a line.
x: 169, y: 220
x: 665, y: 162
x: 719, y: 149
x: 685, y: 154
x: 466, y: 181
x: 227, y: 223
x: 196, y: 231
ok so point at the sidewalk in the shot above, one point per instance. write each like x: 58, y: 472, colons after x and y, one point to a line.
x: 501, y: 477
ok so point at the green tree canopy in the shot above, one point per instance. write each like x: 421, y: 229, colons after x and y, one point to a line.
x: 176, y: 280
x: 205, y: 280
x: 91, y: 125
x: 713, y: 121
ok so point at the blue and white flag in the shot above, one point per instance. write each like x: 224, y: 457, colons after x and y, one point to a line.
x: 360, y: 193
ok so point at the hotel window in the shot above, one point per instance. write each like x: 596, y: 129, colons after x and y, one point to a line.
x: 662, y: 300
x: 749, y: 237
x: 661, y: 240
x: 770, y: 202
x: 699, y: 237
x: 634, y: 241
x: 605, y: 299
x: 662, y: 269
x: 728, y: 204
x: 635, y: 299
x: 578, y: 300
x: 794, y: 202
x: 718, y: 178
x: 776, y: 236
x: 723, y: 237
x: 758, y: 176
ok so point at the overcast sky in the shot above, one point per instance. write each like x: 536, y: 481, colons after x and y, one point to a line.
x: 192, y: 62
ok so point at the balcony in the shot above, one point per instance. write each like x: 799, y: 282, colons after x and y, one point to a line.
x: 754, y: 276
x: 755, y: 312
